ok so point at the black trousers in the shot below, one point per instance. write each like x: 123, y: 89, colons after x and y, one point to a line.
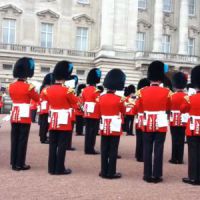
x: 33, y: 115
x: 19, y: 140
x: 44, y: 125
x: 70, y: 135
x: 194, y: 157
x: 109, y: 150
x: 153, y: 143
x: 57, y: 150
x: 139, y: 145
x: 79, y: 124
x: 128, y: 123
x: 91, y: 130
x: 178, y: 138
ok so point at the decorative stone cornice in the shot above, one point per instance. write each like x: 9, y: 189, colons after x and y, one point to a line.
x: 170, y: 27
x: 144, y: 23
x: 193, y: 30
x: 83, y: 17
x: 12, y: 8
x: 48, y: 13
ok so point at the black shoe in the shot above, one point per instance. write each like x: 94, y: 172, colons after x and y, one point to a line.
x: 180, y: 162
x: 65, y: 172
x: 148, y: 179
x: 190, y: 181
x: 119, y: 157
x: 92, y: 153
x: 139, y: 160
x: 172, y: 161
x: 157, y: 179
x: 16, y: 168
x: 25, y: 167
x: 102, y: 175
x: 45, y: 142
x: 71, y: 149
x: 115, y: 176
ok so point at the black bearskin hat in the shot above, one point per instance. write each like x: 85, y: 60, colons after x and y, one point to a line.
x: 130, y: 89
x: 79, y: 89
x: 143, y: 83
x: 100, y: 88
x: 115, y: 80
x: 189, y: 85
x: 179, y: 80
x: 156, y: 71
x: 94, y: 76
x: 195, y: 77
x: 24, y: 68
x: 167, y: 82
x: 48, y: 79
x: 63, y: 70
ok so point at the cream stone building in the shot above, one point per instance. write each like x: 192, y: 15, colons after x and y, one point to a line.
x: 126, y: 34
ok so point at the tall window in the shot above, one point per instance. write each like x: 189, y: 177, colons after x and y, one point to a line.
x: 46, y: 35
x: 191, y: 46
x: 140, y: 41
x: 192, y: 7
x: 167, y: 5
x: 82, y: 39
x: 9, y: 31
x: 142, y: 4
x: 166, y: 44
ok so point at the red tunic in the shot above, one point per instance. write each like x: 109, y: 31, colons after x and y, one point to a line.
x: 33, y: 105
x: 44, y: 105
x: 90, y: 94
x: 61, y: 99
x: 175, y: 115
x: 78, y: 110
x: 154, y: 101
x: 129, y: 110
x: 21, y: 94
x: 111, y: 109
x: 192, y: 106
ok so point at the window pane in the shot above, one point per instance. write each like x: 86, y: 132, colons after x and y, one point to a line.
x: 82, y: 38
x: 142, y: 4
x: 192, y: 7
x: 9, y: 30
x: 140, y: 41
x: 167, y: 5
x: 46, y: 35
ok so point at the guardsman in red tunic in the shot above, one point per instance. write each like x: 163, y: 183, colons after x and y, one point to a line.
x: 111, y: 110
x: 79, y: 111
x: 91, y: 110
x: 129, y: 116
x: 61, y: 99
x: 21, y: 93
x: 33, y: 108
x: 71, y: 83
x: 44, y: 110
x: 139, y: 124
x: 178, y: 120
x: 192, y: 106
x: 154, y: 101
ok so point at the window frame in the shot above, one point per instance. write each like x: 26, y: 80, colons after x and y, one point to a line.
x: 87, y: 39
x: 171, y: 5
x: 141, y: 43
x: 46, y: 34
x: 9, y: 27
x: 191, y: 53
x: 194, y: 8
x: 166, y: 46
x: 145, y: 4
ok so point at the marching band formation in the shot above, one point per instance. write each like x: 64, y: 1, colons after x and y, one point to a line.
x: 109, y: 111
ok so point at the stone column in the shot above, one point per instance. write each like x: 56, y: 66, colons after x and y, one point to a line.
x: 107, y: 24
x: 158, y: 26
x: 132, y: 24
x: 183, y: 27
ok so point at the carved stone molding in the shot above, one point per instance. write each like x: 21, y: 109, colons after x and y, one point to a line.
x: 48, y: 14
x: 193, y: 31
x: 10, y: 8
x: 143, y: 25
x: 83, y: 18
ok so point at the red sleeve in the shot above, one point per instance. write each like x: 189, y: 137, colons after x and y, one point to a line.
x: 34, y: 95
x: 185, y: 106
x: 72, y: 99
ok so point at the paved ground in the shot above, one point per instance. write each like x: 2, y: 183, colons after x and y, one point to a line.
x: 84, y: 182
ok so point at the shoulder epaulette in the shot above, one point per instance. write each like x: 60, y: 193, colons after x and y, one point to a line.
x: 138, y: 93
x: 31, y: 86
x: 70, y: 90
x: 170, y: 93
x: 187, y: 98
